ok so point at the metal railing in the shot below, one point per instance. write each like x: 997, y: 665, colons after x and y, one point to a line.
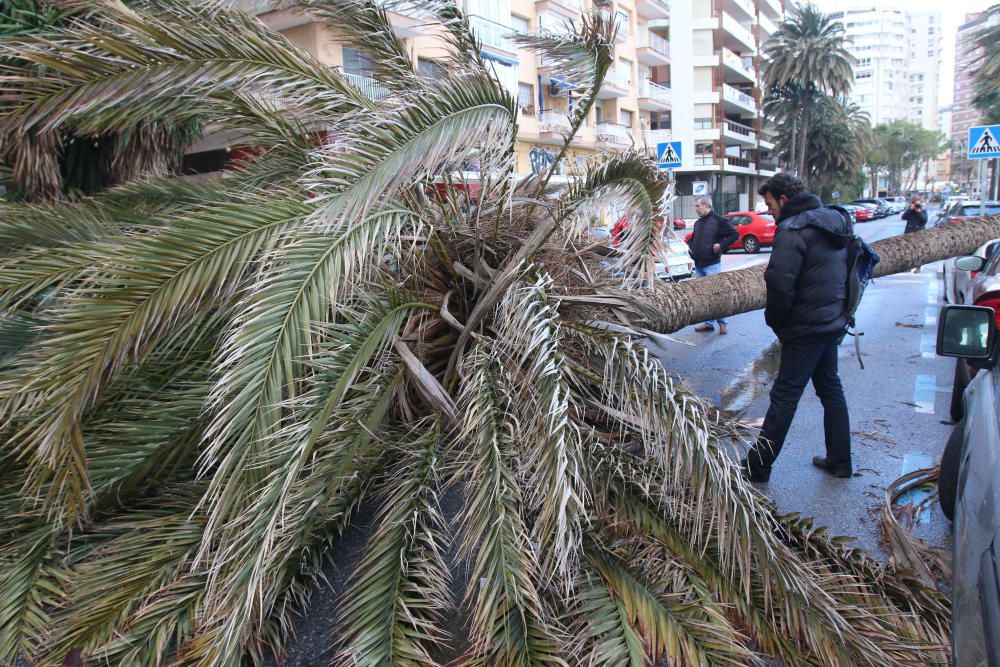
x: 655, y: 91
x: 492, y: 33
x: 371, y: 88
x: 739, y: 97
x: 657, y: 43
x: 742, y: 130
x: 703, y: 159
x: 553, y: 120
x: 739, y: 162
x: 613, y: 132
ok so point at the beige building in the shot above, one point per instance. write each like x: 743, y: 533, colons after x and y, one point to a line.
x: 963, y: 114
x: 684, y: 71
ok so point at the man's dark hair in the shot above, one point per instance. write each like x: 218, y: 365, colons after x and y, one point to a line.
x: 782, y: 185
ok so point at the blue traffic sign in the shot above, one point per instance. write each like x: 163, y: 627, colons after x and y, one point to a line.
x: 668, y: 154
x: 983, y: 142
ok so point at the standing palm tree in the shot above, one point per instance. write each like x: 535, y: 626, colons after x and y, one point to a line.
x: 839, y: 141
x: 200, y: 383
x: 808, y: 56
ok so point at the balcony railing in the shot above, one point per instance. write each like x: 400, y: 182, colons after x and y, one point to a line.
x: 492, y: 33
x: 371, y: 88
x: 742, y: 130
x: 657, y: 43
x: 746, y: 6
x: 653, y: 138
x: 737, y: 63
x: 738, y: 97
x: 615, y: 133
x: 703, y: 160
x: 652, y: 8
x: 617, y: 78
x: 740, y: 162
x: 767, y: 27
x: 655, y: 91
x: 551, y: 120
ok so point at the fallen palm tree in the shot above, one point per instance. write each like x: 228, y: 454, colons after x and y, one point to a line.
x: 201, y: 383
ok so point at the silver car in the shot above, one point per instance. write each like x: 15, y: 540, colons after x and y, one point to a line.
x: 969, y: 486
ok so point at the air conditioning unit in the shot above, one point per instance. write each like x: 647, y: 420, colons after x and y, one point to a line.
x: 555, y: 90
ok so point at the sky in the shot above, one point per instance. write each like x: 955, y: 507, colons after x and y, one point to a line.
x: 952, y: 15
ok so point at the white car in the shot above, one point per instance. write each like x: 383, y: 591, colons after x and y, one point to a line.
x: 676, y: 263
x: 897, y: 204
x: 955, y: 281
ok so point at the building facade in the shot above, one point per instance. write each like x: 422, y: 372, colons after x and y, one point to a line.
x: 685, y: 70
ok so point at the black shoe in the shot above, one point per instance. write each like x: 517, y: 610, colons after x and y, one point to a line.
x: 837, y: 471
x: 755, y: 475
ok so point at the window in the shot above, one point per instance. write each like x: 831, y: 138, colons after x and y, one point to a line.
x: 358, y: 62
x: 864, y: 62
x: 625, y: 70
x: 865, y: 74
x: 428, y: 69
x: 930, y: 31
x: 930, y: 53
x: 622, y: 19
x: 518, y: 24
x: 625, y: 118
x: 526, y: 98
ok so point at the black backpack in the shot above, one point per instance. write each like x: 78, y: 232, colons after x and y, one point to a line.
x: 861, y: 261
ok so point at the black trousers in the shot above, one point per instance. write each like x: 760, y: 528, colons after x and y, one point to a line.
x: 801, y: 361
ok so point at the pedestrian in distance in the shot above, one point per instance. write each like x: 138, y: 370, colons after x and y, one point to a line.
x: 711, y: 237
x: 916, y: 219
x: 806, y: 281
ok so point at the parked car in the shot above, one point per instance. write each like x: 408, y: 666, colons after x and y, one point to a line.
x: 979, y: 278
x: 873, y: 210
x: 969, y: 483
x: 896, y: 204
x: 859, y: 213
x: 966, y: 209
x: 675, y: 262
x: 882, y: 209
x: 956, y: 282
x: 756, y: 230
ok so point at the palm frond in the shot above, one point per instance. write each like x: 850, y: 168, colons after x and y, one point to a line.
x: 30, y: 587
x: 400, y: 588
x: 170, y: 65
x: 602, y: 630
x: 509, y: 625
x: 530, y: 335
x: 148, y: 287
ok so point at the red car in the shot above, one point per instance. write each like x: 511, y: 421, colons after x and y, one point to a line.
x: 756, y: 230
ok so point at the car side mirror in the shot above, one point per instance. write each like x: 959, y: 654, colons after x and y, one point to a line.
x: 966, y: 331
x: 970, y: 263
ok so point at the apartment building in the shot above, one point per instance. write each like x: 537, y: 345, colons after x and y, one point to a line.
x: 963, y: 114
x: 684, y: 70
x: 898, y: 57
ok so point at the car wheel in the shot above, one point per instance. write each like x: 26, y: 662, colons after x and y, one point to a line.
x: 751, y: 244
x: 957, y: 408
x: 951, y: 458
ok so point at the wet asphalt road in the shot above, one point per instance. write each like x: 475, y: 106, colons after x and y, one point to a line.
x: 899, y: 421
x: 898, y: 403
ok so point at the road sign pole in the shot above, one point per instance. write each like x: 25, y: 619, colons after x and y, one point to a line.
x: 982, y: 187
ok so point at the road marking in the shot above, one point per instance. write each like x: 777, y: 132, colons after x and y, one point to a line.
x: 916, y: 461
x: 930, y: 316
x: 924, y: 394
x: 928, y: 345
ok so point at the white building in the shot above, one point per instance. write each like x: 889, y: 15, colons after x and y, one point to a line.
x: 898, y: 62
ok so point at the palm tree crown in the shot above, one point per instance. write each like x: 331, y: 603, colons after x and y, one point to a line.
x: 201, y: 383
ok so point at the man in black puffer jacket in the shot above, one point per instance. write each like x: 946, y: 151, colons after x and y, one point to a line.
x: 711, y: 237
x: 806, y: 280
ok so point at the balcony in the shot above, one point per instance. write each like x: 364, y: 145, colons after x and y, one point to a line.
x: 737, y: 100
x: 613, y: 136
x: 772, y: 7
x: 570, y: 8
x: 765, y: 144
x: 736, y: 36
x: 654, y: 97
x: 767, y: 28
x: 553, y: 121
x: 738, y: 66
x: 653, y: 9
x: 739, y: 133
x: 493, y: 34
x: 744, y: 7
x: 652, y: 138
x: 616, y: 84
x: 369, y: 87
x: 739, y: 165
x: 653, y: 50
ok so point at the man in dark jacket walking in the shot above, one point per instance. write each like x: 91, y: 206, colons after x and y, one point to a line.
x: 806, y: 281
x: 712, y: 236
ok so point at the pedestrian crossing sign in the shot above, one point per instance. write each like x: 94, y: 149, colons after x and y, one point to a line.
x: 668, y: 154
x: 983, y: 142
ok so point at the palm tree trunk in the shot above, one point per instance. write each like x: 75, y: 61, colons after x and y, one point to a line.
x: 741, y: 291
x: 803, y: 136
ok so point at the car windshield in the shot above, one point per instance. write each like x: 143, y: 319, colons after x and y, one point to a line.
x: 767, y: 216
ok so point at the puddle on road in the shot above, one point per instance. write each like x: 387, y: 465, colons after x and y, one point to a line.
x: 752, y: 382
